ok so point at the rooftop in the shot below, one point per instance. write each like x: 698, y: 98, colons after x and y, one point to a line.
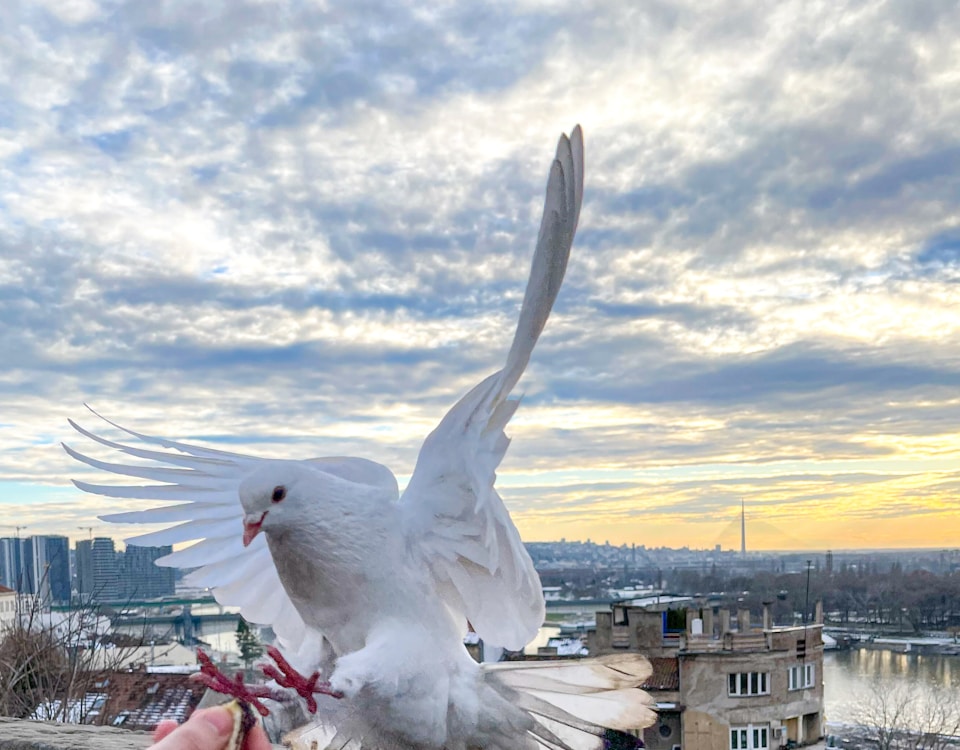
x: 141, y: 700
x: 665, y: 675
x: 131, y: 700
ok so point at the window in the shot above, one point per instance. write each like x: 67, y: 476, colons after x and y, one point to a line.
x: 620, y: 616
x: 750, y: 737
x: 748, y: 683
x: 801, y: 676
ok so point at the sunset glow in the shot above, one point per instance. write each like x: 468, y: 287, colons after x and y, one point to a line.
x: 307, y: 234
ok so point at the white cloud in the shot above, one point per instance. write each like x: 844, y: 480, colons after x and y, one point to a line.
x: 312, y: 223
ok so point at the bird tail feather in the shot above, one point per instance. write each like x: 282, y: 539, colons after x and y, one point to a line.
x: 549, y: 705
x: 575, y: 704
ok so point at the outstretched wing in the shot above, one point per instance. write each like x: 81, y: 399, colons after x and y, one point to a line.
x: 455, y: 520
x: 203, y: 483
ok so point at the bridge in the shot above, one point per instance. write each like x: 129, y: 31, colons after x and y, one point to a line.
x: 135, y: 615
x: 121, y: 604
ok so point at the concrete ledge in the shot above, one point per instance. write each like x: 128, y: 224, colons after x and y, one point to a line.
x: 20, y: 734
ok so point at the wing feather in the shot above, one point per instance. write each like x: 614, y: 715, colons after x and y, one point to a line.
x: 154, y: 491
x: 204, y: 484
x: 191, y: 461
x: 212, y: 528
x: 220, y: 574
x: 204, y: 552
x: 129, y: 470
x: 453, y: 518
x: 168, y: 513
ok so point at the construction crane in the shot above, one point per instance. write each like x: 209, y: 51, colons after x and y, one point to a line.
x: 88, y: 528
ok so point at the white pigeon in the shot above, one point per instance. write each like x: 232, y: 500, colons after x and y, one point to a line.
x: 330, y: 555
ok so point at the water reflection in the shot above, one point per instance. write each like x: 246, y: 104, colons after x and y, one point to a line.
x: 545, y: 633
x: 849, y: 677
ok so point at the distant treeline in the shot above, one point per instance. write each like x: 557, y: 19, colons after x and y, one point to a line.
x: 890, y: 599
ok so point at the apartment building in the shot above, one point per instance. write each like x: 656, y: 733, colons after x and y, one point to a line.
x: 738, y: 685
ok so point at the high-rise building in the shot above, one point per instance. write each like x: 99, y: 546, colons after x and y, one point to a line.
x: 58, y: 557
x: 106, y: 570
x: 36, y: 565
x: 85, y: 567
x: 11, y: 563
x: 142, y: 578
x: 46, y: 564
x: 28, y: 578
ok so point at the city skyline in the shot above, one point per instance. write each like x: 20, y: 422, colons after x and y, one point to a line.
x: 729, y: 547
x: 43, y: 565
x: 307, y: 234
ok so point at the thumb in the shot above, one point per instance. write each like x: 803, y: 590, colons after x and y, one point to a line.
x: 207, y: 729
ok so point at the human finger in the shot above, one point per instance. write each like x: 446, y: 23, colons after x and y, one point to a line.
x: 163, y: 729
x: 207, y: 729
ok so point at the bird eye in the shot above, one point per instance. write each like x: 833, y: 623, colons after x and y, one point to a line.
x: 279, y: 492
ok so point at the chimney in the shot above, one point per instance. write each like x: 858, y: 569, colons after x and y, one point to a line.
x: 767, y: 618
x: 743, y: 620
x: 818, y: 612
x: 691, y: 615
x: 724, y: 621
x: 708, y: 621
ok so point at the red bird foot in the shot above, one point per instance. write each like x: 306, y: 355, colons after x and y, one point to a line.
x: 217, y: 681
x: 306, y: 687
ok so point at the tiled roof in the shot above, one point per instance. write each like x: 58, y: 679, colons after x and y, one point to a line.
x: 5, y: 590
x: 141, y: 700
x: 666, y: 674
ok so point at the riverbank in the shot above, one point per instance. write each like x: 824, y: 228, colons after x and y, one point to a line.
x: 928, y: 646
x: 933, y: 645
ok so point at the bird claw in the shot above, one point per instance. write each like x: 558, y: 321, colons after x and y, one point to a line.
x: 286, y: 676
x: 217, y: 681
x: 306, y: 687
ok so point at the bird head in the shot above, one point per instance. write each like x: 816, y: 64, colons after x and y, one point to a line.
x: 272, y: 497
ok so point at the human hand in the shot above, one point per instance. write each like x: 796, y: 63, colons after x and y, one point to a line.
x: 207, y: 729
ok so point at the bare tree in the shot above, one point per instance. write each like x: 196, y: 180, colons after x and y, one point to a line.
x: 32, y: 666
x: 893, y: 718
x: 51, y: 663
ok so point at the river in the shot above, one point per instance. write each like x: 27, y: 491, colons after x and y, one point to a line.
x: 850, y: 677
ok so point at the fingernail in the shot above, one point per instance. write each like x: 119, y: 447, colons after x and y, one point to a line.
x: 220, y: 719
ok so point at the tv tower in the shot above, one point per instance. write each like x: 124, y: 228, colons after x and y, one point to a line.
x: 743, y: 529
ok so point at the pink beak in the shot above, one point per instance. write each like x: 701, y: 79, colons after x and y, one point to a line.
x: 251, y: 526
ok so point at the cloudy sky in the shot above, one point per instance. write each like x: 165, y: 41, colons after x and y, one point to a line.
x: 303, y: 228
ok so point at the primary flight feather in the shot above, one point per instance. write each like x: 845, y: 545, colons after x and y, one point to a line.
x: 377, y: 587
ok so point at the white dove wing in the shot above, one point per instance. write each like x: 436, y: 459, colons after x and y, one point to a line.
x: 455, y: 520
x: 204, y: 484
